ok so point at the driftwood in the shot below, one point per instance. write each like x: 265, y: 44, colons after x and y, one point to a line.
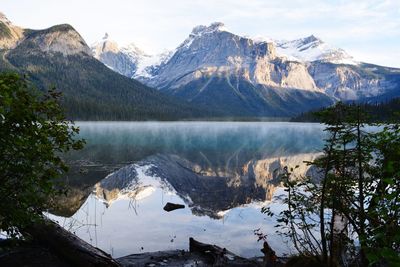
x: 69, y: 247
x: 217, y: 256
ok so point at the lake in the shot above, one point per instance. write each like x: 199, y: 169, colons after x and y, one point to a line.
x: 223, y: 172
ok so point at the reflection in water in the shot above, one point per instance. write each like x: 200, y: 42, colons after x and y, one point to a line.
x: 226, y: 171
x: 206, y: 193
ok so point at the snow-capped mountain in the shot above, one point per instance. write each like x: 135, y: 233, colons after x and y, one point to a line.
x: 124, y: 61
x: 311, y: 49
x: 58, y: 56
x: 262, y: 77
x: 128, y: 60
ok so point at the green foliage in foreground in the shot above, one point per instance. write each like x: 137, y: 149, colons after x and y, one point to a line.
x: 348, y: 214
x: 33, y: 134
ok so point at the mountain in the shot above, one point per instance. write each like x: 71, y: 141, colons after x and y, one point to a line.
x: 127, y: 60
x: 9, y: 33
x: 310, y: 49
x: 59, y: 56
x: 260, y: 77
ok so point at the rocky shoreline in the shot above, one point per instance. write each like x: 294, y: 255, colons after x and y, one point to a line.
x: 34, y: 254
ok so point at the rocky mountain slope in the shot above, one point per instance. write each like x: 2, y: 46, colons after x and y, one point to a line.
x: 262, y: 77
x: 127, y: 60
x: 9, y: 33
x: 59, y: 56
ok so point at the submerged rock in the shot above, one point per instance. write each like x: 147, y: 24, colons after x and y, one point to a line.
x: 172, y: 206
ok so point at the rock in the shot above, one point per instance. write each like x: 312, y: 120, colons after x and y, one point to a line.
x: 216, y: 256
x: 172, y: 206
x: 163, y: 258
x: 200, y: 255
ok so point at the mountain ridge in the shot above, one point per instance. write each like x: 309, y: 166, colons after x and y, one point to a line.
x: 318, y: 73
x: 58, y: 56
x: 212, y: 73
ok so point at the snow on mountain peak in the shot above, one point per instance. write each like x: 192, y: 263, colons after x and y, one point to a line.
x: 260, y: 39
x: 148, y: 63
x: 202, y: 30
x: 133, y: 49
x: 104, y: 46
x: 134, y: 62
x: 311, y: 48
x: 311, y: 39
x: 214, y: 27
x: 129, y: 60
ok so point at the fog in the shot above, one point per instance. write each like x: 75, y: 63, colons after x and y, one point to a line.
x: 215, y: 142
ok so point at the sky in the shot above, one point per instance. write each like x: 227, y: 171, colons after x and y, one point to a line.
x: 369, y: 30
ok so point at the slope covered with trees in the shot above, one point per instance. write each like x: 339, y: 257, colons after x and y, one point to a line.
x: 377, y: 112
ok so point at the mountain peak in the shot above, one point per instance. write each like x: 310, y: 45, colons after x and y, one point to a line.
x: 213, y: 27
x: 312, y: 48
x: 133, y: 48
x: 61, y: 28
x: 309, y: 41
x: 61, y: 38
x: 104, y: 46
x: 311, y: 38
x: 4, y: 19
x: 9, y: 33
x: 202, y: 30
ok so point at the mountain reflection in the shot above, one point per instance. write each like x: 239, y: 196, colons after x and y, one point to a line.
x: 211, y: 166
x: 127, y: 172
x: 205, y: 190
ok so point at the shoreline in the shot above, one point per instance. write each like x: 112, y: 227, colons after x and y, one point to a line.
x: 32, y: 254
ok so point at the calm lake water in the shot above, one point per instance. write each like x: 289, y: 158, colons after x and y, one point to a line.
x: 223, y: 172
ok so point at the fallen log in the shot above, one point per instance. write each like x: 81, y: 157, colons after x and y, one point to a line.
x: 67, y: 246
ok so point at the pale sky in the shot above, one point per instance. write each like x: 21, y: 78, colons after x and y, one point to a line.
x: 369, y: 30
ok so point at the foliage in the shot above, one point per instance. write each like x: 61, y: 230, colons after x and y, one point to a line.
x: 33, y: 135
x: 350, y: 214
x: 383, y: 230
